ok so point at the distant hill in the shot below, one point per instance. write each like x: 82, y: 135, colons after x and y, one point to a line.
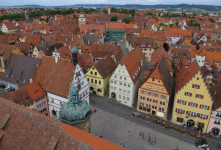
x: 171, y: 8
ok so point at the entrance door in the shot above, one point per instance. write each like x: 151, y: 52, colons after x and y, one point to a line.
x: 94, y: 92
x: 54, y: 112
x: 113, y: 95
x: 153, y: 112
x: 215, y: 131
x: 190, y: 123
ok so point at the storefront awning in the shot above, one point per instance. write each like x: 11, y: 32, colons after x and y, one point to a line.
x: 160, y: 114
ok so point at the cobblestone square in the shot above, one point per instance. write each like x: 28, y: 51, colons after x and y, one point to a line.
x: 117, y: 129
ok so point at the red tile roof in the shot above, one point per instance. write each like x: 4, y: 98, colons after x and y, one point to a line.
x: 55, y: 77
x: 185, y: 74
x: 134, y: 67
x: 22, y: 131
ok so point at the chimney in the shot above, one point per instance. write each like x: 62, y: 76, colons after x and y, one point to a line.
x: 70, y: 46
x: 72, y: 38
x: 79, y: 36
x: 100, y: 46
x: 88, y: 42
x: 31, y: 80
x: 105, y: 58
x: 3, y: 63
x: 56, y: 59
x: 66, y: 39
x: 91, y: 26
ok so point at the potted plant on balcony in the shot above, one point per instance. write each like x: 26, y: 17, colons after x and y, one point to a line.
x: 171, y: 126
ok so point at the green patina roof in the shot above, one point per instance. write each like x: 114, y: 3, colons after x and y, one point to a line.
x: 74, y: 110
x: 74, y: 49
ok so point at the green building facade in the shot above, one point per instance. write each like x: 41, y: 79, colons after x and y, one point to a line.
x: 115, y: 34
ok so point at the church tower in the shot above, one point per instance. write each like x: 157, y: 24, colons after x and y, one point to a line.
x: 26, y: 16
x: 76, y: 112
x: 81, y: 19
x: 109, y: 9
x: 74, y: 52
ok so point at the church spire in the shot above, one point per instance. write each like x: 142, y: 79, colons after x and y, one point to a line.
x: 74, y: 51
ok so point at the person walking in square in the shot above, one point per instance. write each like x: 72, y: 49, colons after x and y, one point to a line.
x: 155, y: 140
x: 140, y: 133
x: 143, y: 135
x: 149, y: 138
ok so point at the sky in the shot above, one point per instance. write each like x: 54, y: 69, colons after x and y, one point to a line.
x: 72, y: 2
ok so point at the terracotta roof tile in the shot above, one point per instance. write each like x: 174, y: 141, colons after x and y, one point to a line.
x: 134, y: 67
x: 105, y: 66
x: 185, y: 74
x: 25, y: 123
x: 50, y: 72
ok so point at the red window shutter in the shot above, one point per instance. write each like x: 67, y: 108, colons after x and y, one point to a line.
x: 178, y: 101
x: 202, y: 97
x: 183, y: 111
x: 198, y: 114
x: 196, y: 105
x: 207, y: 117
x: 196, y: 95
x: 198, y: 87
x: 200, y: 105
x: 190, y: 94
x: 208, y: 108
x: 185, y: 93
x: 189, y: 104
x: 193, y: 86
x: 176, y: 110
x: 185, y: 103
x: 186, y: 112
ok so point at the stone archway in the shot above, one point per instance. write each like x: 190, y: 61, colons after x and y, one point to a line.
x: 54, y: 112
x: 113, y: 95
x: 190, y: 123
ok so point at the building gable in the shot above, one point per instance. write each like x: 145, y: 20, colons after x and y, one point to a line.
x: 91, y: 73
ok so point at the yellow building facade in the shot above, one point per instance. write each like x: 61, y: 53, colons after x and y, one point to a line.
x: 97, y: 84
x: 31, y: 105
x: 192, y: 103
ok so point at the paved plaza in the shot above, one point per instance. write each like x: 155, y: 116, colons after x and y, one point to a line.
x: 117, y: 129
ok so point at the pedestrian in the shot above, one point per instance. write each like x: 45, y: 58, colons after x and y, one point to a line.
x: 149, y: 134
x: 140, y: 133
x: 143, y: 135
x: 151, y: 142
x: 149, y: 139
x: 155, y: 140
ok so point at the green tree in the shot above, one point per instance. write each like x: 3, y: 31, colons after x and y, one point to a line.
x: 211, y: 20
x: 41, y: 19
x: 97, y: 10
x: 17, y: 19
x: 162, y: 24
x: 114, y: 18
x: 2, y: 33
x: 127, y: 19
x: 75, y: 16
x: 105, y: 11
x: 149, y: 13
x: 171, y: 25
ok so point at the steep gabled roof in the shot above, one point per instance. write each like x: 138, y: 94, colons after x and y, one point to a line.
x: 105, y: 66
x: 132, y: 62
x: 185, y: 74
